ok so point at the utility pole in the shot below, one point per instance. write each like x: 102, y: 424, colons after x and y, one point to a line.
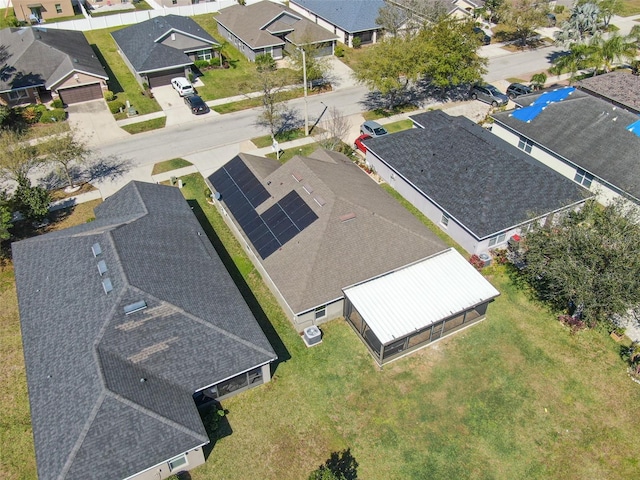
x: 304, y: 79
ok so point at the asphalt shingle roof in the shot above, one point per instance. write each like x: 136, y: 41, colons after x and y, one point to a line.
x: 92, y: 415
x: 35, y: 56
x: 149, y: 46
x: 589, y: 133
x: 350, y: 15
x: 310, y: 270
x: 619, y: 87
x: 251, y: 23
x: 477, y: 178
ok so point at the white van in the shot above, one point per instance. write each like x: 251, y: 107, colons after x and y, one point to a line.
x: 182, y: 86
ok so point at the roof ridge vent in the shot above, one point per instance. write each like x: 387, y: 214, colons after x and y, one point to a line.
x: 347, y: 216
x: 297, y: 176
x: 135, y: 307
x: 307, y: 188
x: 96, y: 249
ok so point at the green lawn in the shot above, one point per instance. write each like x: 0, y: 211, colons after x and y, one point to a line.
x: 6, y: 17
x: 398, y: 126
x: 121, y: 80
x: 631, y: 7
x: 289, y: 153
x: 147, y: 125
x: 514, y: 397
x: 265, y: 140
x: 168, y: 165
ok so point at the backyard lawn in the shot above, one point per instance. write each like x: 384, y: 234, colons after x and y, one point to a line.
x: 515, y: 396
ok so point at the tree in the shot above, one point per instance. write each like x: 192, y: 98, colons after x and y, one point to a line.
x: 610, y: 51
x: 493, y: 9
x: 5, y: 217
x: 65, y: 151
x: 389, y: 66
x: 579, y: 57
x: 409, y: 16
x: 448, y: 53
x: 609, y: 8
x: 538, y: 80
x: 317, y: 66
x: 589, y: 262
x: 524, y: 17
x: 334, y: 130
x: 271, y: 83
x: 32, y: 201
x: 582, y: 24
x: 17, y: 156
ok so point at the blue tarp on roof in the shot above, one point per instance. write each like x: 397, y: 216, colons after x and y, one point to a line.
x: 634, y: 127
x: 526, y: 114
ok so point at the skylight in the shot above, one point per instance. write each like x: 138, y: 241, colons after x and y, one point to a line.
x: 96, y: 249
x: 135, y: 307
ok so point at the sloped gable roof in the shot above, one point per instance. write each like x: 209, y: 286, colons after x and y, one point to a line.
x: 619, y: 87
x: 332, y: 252
x: 36, y: 56
x: 101, y: 381
x: 147, y: 44
x: 253, y: 24
x: 480, y: 180
x: 589, y: 133
x: 350, y: 15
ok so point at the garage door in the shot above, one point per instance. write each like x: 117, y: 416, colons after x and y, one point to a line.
x: 164, y: 78
x: 81, y: 94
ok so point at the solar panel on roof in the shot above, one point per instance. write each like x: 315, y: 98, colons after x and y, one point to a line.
x: 297, y: 210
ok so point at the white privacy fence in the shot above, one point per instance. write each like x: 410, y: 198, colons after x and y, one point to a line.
x: 130, y: 17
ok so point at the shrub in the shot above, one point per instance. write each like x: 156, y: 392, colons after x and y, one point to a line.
x: 53, y: 116
x: 109, y: 96
x: 192, y: 77
x: 558, y: 9
x: 477, y: 263
x: 115, y: 106
x: 57, y: 103
x: 145, y: 86
x: 31, y: 115
x: 202, y: 64
x: 356, y: 42
x: 339, y: 51
x: 574, y: 323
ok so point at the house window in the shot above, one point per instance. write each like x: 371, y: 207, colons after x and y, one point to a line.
x: 177, y: 463
x: 18, y: 94
x: 58, y: 8
x: 321, y: 312
x: 497, y: 239
x: 583, y: 178
x: 444, y: 220
x: 525, y: 144
x: 203, y: 55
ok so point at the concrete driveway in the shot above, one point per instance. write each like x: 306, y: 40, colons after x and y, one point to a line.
x: 174, y: 108
x: 93, y: 122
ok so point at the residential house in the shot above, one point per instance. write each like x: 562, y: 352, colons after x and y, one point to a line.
x: 317, y: 225
x: 163, y: 48
x: 473, y: 185
x: 348, y: 19
x: 127, y: 322
x: 271, y: 28
x: 37, y: 12
x: 619, y: 87
x: 39, y: 64
x: 590, y: 140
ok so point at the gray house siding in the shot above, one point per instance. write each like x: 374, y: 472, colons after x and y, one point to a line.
x: 276, y: 51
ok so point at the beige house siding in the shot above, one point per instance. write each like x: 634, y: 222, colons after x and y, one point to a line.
x: 31, y: 97
x: 78, y: 79
x: 194, y: 458
x: 48, y: 10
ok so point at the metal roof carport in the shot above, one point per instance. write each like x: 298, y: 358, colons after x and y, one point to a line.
x: 406, y: 309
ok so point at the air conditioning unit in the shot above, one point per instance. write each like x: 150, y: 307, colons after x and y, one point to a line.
x: 312, y: 336
x: 486, y: 259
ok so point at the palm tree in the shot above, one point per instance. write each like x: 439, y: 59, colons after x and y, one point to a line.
x: 579, y: 57
x: 613, y: 50
x: 582, y: 24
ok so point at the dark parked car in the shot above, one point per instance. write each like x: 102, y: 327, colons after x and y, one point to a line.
x: 373, y: 129
x: 358, y: 143
x: 196, y: 104
x: 486, y: 39
x: 516, y: 89
x: 489, y: 94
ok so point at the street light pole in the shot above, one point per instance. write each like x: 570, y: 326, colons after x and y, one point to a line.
x: 304, y: 79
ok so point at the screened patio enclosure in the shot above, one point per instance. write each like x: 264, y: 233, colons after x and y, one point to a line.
x: 407, y: 309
